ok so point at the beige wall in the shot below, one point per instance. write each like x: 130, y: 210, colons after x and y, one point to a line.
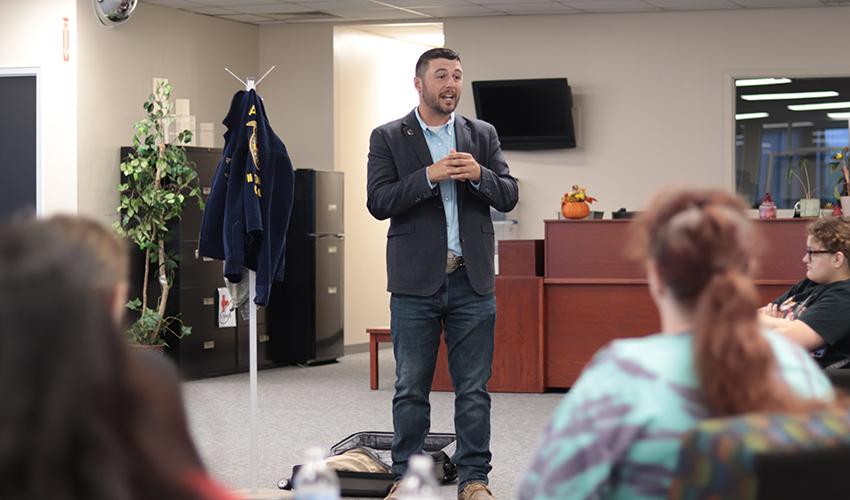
x: 654, y: 91
x: 115, y: 70
x: 298, y: 94
x: 31, y: 35
x: 373, y: 84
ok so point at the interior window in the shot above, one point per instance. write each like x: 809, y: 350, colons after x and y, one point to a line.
x: 809, y: 121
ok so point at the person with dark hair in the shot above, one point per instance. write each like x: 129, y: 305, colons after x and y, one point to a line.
x: 74, y: 420
x: 617, y: 433
x: 111, y: 275
x: 815, y: 312
x: 435, y: 175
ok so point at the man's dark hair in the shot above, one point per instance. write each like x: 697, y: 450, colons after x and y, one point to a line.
x: 438, y: 53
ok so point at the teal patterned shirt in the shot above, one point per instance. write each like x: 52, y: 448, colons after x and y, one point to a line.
x: 617, y: 433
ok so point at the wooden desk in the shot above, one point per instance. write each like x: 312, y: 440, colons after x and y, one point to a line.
x: 518, y: 339
x: 593, y: 294
x: 518, y: 343
x: 518, y: 349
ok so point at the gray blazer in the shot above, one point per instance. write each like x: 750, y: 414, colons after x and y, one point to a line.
x: 398, y: 189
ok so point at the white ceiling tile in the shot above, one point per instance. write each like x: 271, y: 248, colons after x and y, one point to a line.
x: 176, y: 4
x: 339, y: 4
x: 778, y: 3
x: 457, y: 10
x: 412, y: 4
x: 610, y: 5
x: 535, y: 7
x: 371, y: 14
x: 275, y: 8
x: 693, y: 4
x: 233, y: 3
x: 488, y: 3
x: 214, y: 11
x: 245, y: 18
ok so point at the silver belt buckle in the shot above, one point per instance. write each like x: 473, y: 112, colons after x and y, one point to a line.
x: 452, y: 263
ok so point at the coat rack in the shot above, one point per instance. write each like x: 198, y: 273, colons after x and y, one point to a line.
x: 254, y: 493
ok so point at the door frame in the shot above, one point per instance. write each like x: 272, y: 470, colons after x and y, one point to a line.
x: 36, y: 72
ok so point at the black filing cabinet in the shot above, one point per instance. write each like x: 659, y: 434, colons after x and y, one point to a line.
x: 208, y: 350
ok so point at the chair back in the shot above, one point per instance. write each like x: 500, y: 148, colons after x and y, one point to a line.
x: 765, y: 456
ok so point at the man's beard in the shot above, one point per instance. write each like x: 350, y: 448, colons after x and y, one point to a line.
x: 435, y: 103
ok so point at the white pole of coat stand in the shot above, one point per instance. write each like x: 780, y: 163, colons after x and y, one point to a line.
x: 251, y: 84
x: 252, y: 361
x: 252, y: 355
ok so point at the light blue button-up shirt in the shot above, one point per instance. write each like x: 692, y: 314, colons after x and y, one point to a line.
x: 440, y: 140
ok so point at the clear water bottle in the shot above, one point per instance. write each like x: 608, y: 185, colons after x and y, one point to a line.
x: 419, y: 482
x: 315, y: 480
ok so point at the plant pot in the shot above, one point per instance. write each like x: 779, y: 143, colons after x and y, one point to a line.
x: 809, y: 207
x: 845, y: 206
x: 575, y: 210
x: 158, y: 348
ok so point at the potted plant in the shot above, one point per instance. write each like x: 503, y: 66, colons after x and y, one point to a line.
x: 809, y: 205
x: 840, y: 161
x: 157, y: 179
x: 575, y: 203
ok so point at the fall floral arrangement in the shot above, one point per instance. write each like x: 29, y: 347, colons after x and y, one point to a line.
x: 577, y: 193
x: 575, y: 203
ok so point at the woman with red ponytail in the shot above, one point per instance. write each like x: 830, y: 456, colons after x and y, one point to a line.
x: 617, y: 433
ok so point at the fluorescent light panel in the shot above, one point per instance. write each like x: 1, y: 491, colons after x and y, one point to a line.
x: 751, y: 82
x: 785, y: 125
x: 750, y: 116
x: 789, y: 95
x: 819, y: 105
x: 839, y: 116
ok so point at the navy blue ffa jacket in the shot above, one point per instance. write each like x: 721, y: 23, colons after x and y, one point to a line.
x: 247, y: 212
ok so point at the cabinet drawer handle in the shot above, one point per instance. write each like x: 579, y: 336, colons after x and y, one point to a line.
x: 332, y: 249
x: 209, y: 344
x: 264, y: 338
x: 332, y: 207
x: 209, y: 301
x: 332, y: 290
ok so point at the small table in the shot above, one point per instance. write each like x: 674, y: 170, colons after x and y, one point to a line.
x: 376, y: 336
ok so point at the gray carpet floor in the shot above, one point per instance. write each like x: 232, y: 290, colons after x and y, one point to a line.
x: 319, y: 405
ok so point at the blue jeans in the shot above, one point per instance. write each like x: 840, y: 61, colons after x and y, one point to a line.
x: 416, y: 323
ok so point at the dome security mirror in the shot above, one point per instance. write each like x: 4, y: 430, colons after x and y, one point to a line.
x: 113, y: 12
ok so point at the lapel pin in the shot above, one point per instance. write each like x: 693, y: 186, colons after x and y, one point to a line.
x: 410, y: 131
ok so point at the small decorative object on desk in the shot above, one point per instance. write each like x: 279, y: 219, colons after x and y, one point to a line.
x: 575, y: 203
x: 767, y: 209
x: 841, y: 162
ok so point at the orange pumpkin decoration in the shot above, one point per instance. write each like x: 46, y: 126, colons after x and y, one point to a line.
x: 575, y: 209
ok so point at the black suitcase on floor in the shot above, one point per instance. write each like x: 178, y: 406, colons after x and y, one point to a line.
x: 378, y: 444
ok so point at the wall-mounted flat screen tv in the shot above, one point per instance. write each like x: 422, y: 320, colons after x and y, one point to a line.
x: 527, y: 114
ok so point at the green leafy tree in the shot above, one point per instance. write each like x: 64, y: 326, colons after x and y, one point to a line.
x: 157, y: 179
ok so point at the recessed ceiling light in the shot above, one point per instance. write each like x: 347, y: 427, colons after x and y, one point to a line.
x: 839, y: 116
x: 819, y: 105
x: 789, y: 95
x: 750, y: 82
x: 750, y: 116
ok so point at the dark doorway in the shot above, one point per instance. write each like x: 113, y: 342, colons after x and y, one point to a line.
x: 18, y: 167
